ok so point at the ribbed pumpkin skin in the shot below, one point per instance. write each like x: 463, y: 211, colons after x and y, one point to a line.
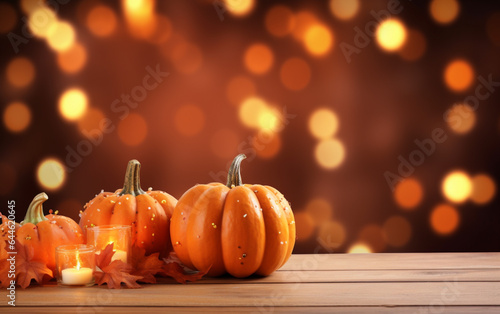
x: 148, y: 214
x: 243, y: 230
x: 43, y: 236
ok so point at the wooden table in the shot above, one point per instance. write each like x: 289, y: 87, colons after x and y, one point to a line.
x: 344, y: 283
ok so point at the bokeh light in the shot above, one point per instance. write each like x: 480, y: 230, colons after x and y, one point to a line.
x: 330, y: 153
x: 408, y: 193
x: 458, y: 75
x: 51, y: 174
x: 461, y: 118
x: 397, y: 231
x: 359, y: 248
x: 304, y: 225
x: 8, y: 17
x: 239, y: 88
x: 239, y: 8
x: 414, y: 47
x: 266, y: 144
x: 73, y: 59
x: 391, y: 34
x: 61, y: 36
x: 187, y: 57
x: 16, y: 117
x: 457, y: 186
x: 28, y: 6
x: 303, y: 20
x: 189, y: 120
x: 344, y: 9
x: 444, y: 219
x: 444, y: 11
x: 73, y: 104
x: 20, y: 72
x: 40, y: 20
x: 280, y: 21
x: 320, y: 209
x: 318, y: 40
x: 139, y: 15
x: 250, y: 111
x: 101, y: 21
x: 295, y: 74
x: 483, y: 189
x: 331, y: 234
x: 91, y: 121
x: 258, y: 58
x: 224, y: 143
x: 323, y: 123
x: 133, y: 130
x: 374, y: 236
x: 269, y: 119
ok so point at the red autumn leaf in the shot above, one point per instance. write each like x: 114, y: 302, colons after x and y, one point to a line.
x: 173, y: 268
x: 145, y: 266
x: 27, y: 268
x: 113, y: 273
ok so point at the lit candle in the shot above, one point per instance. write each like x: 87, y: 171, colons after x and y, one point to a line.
x: 76, y: 276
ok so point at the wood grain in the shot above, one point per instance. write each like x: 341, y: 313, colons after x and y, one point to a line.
x: 338, y: 283
x: 315, y: 262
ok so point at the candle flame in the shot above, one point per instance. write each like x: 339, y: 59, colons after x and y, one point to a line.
x: 78, y: 260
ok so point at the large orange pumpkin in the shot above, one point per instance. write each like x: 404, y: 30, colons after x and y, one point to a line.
x: 45, y: 233
x: 233, y: 228
x: 147, y: 212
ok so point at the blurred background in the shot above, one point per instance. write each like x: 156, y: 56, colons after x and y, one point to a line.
x: 378, y: 120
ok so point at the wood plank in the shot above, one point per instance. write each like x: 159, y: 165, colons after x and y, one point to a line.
x: 313, y: 262
x: 299, y: 294
x: 317, y: 309
x: 397, y: 275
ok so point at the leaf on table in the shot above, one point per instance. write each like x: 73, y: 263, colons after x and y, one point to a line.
x: 113, y: 273
x: 145, y: 266
x: 28, y: 269
x: 172, y: 268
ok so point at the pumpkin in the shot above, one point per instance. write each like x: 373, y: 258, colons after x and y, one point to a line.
x: 147, y: 212
x: 233, y: 228
x: 44, y: 233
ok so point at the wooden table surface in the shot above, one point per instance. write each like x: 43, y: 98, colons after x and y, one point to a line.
x: 344, y: 283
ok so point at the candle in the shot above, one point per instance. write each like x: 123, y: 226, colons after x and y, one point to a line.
x: 77, y: 276
x: 75, y: 265
x: 120, y: 256
x: 117, y: 235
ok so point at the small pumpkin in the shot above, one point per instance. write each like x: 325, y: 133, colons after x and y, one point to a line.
x: 148, y: 212
x: 233, y: 228
x: 45, y: 233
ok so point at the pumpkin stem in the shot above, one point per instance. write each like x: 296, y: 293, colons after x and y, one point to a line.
x: 35, y: 214
x: 132, y: 179
x: 234, y: 176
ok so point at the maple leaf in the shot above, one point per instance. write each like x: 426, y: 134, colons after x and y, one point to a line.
x: 146, y: 266
x: 173, y: 268
x: 27, y: 268
x: 113, y: 273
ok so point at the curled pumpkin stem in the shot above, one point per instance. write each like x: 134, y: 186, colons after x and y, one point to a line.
x: 35, y: 211
x: 132, y: 183
x: 234, y: 175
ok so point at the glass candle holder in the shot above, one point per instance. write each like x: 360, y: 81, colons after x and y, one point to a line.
x: 119, y: 236
x: 75, y: 265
